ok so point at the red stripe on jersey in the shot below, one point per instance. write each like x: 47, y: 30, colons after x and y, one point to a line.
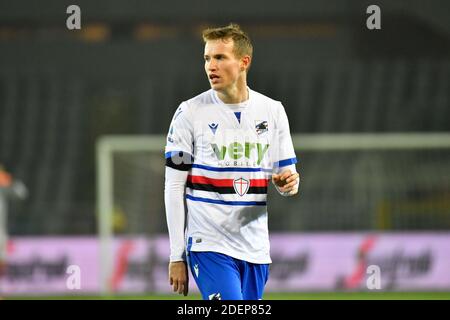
x: 259, y: 182
x: 214, y: 182
x: 225, y: 182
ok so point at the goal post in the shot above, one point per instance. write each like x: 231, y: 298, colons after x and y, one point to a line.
x: 326, y: 154
x: 106, y: 147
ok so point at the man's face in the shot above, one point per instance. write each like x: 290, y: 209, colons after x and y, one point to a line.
x: 221, y: 65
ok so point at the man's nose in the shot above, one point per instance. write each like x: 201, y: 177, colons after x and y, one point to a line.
x: 212, y: 65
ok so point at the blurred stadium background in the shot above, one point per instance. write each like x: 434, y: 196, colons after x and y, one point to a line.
x: 370, y: 111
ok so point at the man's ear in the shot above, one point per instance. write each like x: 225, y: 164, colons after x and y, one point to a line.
x: 245, y: 62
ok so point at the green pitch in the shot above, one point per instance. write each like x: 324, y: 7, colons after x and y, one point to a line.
x: 268, y: 296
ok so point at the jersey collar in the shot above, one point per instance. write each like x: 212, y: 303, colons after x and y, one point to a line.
x: 233, y: 105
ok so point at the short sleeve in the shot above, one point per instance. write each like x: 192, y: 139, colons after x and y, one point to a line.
x: 179, y: 143
x: 284, y: 149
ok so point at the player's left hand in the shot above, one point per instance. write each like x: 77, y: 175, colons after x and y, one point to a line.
x: 286, y: 181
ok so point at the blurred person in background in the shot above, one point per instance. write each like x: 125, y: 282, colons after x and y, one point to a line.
x: 10, y: 189
x: 223, y: 146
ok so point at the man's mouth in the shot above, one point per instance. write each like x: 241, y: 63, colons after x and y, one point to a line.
x: 213, y: 77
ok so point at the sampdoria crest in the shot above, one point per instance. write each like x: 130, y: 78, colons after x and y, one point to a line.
x: 261, y: 126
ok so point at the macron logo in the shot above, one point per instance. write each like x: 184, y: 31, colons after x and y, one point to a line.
x: 196, y: 270
x: 213, y: 127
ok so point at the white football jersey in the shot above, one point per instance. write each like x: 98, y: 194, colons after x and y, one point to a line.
x: 235, y: 150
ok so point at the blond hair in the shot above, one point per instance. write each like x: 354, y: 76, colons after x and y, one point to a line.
x: 242, y: 44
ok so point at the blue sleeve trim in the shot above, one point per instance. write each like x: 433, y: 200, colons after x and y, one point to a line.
x: 286, y: 162
x: 179, y: 160
x: 170, y: 154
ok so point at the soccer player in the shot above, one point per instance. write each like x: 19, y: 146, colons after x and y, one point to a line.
x: 223, y: 147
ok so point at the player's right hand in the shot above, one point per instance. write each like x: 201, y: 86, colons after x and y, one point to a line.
x: 178, y: 277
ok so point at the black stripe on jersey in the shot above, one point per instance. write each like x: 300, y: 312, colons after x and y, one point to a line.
x: 182, y: 161
x: 224, y: 190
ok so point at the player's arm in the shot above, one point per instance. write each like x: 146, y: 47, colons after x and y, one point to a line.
x: 285, y: 176
x: 175, y: 214
x: 179, y: 159
x: 19, y: 190
x: 3, y: 241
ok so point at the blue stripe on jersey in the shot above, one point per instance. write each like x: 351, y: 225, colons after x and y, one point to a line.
x: 229, y: 203
x: 284, y: 163
x: 200, y: 166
